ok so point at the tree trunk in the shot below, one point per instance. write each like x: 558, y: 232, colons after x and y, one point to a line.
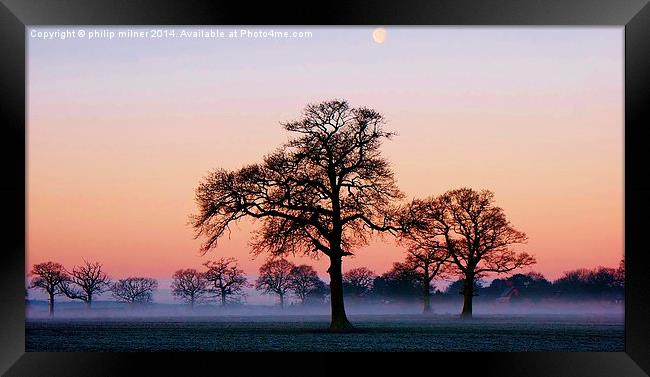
x: 89, y: 302
x: 192, y: 303
x: 339, y: 319
x: 223, y: 298
x: 281, y: 301
x: 468, y: 295
x: 51, y: 305
x: 427, y: 298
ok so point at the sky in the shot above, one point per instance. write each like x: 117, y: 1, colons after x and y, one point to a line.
x: 120, y: 132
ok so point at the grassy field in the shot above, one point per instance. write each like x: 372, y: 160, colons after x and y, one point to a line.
x: 307, y: 333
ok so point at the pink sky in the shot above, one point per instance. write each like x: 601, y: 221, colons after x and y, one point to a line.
x: 120, y: 132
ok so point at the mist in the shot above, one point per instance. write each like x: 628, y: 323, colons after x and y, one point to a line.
x: 557, y: 326
x: 249, y: 312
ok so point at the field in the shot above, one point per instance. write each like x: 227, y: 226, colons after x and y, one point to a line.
x: 307, y: 333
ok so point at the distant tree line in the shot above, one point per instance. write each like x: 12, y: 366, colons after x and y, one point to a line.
x: 600, y: 283
x: 222, y: 279
x: 279, y: 277
x: 85, y: 282
x: 404, y: 284
x: 224, y: 282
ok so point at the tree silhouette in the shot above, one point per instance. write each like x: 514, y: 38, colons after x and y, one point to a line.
x: 225, y: 277
x: 401, y: 282
x: 325, y: 191
x: 49, y: 277
x: 303, y: 281
x: 358, y: 281
x: 620, y: 274
x: 426, y: 254
x: 134, y: 290
x: 530, y: 285
x: 86, y: 281
x: 458, y: 287
x: 318, y: 294
x: 572, y: 283
x: 427, y: 263
x: 475, y: 233
x: 275, y: 278
x: 189, y: 285
x: 597, y: 283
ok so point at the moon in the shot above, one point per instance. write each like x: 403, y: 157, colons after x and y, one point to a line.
x: 379, y: 35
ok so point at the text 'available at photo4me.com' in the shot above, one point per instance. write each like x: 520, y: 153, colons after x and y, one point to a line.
x: 168, y: 33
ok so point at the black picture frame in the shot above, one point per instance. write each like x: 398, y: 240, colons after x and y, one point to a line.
x: 634, y: 15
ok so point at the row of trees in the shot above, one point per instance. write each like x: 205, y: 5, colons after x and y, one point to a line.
x: 224, y: 280
x: 601, y: 283
x: 405, y: 284
x: 406, y: 281
x: 279, y: 277
x: 328, y: 190
x: 223, y: 277
x: 86, y: 281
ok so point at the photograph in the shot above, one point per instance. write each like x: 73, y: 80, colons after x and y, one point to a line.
x: 325, y: 188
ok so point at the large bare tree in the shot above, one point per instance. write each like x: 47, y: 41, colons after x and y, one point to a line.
x: 85, y: 282
x: 275, y: 278
x: 474, y: 231
x: 133, y: 290
x: 323, y: 192
x: 48, y: 276
x: 226, y: 278
x: 190, y: 286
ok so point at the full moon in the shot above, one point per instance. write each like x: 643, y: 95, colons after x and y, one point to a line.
x: 379, y: 35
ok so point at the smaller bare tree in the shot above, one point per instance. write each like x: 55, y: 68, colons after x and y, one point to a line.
x: 358, y: 281
x: 275, y: 278
x: 85, y: 282
x: 134, y: 290
x: 48, y: 276
x: 427, y: 263
x: 303, y: 281
x: 427, y: 255
x: 226, y: 278
x: 190, y: 286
